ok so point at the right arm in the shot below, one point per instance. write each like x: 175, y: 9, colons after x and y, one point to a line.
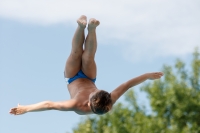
x: 68, y: 105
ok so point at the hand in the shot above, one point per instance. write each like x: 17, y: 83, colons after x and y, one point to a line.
x: 155, y: 75
x: 19, y: 110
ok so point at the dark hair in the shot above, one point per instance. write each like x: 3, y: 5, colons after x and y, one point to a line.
x: 100, y: 102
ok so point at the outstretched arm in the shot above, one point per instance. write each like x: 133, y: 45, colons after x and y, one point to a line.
x: 115, y: 94
x: 45, y: 105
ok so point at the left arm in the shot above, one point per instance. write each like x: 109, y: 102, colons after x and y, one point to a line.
x: 119, y: 91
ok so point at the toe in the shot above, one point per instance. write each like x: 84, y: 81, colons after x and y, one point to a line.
x: 98, y: 22
x: 83, y: 16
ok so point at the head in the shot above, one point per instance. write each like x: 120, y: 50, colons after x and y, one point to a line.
x: 100, y: 102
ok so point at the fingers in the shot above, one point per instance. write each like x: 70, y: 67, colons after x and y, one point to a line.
x: 17, y: 111
x: 13, y: 111
x: 158, y: 74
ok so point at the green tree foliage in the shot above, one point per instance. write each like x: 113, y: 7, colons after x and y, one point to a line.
x: 174, y: 100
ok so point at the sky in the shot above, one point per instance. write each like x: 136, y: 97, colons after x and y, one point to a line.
x: 134, y: 37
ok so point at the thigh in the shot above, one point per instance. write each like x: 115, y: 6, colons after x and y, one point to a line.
x: 89, y: 66
x: 73, y: 65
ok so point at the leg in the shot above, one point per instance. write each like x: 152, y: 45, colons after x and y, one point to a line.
x: 88, y: 62
x: 73, y: 64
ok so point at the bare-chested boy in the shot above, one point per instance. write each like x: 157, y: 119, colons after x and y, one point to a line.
x: 80, y: 73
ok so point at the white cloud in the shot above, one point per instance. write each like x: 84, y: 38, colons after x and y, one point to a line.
x: 149, y: 28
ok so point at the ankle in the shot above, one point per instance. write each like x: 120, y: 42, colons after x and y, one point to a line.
x: 81, y: 27
x: 91, y: 29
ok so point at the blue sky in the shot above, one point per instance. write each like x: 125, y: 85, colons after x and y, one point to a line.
x: 134, y: 37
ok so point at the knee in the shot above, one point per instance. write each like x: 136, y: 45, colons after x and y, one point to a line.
x: 86, y: 58
x: 75, y: 54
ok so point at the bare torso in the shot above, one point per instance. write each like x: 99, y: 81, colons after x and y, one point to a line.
x: 79, y: 90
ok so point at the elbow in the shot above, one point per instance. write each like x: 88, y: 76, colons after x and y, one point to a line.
x: 127, y: 85
x: 48, y: 105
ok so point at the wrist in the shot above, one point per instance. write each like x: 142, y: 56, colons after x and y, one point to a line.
x: 26, y: 109
x: 147, y: 75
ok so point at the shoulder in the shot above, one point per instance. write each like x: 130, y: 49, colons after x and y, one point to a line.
x: 83, y: 109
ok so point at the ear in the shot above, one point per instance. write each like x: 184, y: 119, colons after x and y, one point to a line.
x: 89, y: 104
x: 109, y: 107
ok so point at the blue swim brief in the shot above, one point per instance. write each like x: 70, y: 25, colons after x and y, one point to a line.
x: 80, y: 74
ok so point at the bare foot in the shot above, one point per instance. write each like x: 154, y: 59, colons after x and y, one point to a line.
x: 18, y: 110
x: 82, y: 21
x: 155, y: 75
x: 93, y: 23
